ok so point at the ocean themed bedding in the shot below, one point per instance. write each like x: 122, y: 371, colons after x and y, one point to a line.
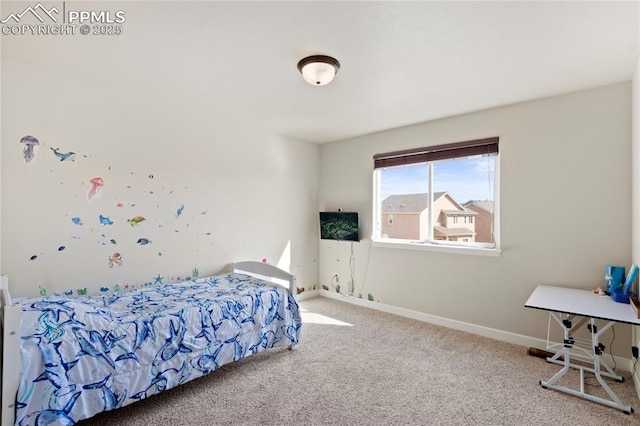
x: 81, y: 356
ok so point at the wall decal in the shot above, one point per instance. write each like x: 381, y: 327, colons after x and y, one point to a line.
x: 115, y: 259
x: 135, y: 221
x: 154, y: 187
x: 30, y: 145
x: 179, y: 210
x: 104, y: 221
x: 64, y: 156
x: 119, y: 288
x: 95, y: 185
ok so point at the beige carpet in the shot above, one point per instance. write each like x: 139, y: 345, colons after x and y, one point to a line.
x: 357, y: 366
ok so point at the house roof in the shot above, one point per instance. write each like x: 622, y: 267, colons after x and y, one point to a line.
x: 441, y: 231
x: 465, y: 212
x: 484, y: 205
x: 407, y: 203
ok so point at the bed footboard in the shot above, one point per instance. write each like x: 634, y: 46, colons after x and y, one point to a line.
x: 10, y: 353
x: 264, y: 270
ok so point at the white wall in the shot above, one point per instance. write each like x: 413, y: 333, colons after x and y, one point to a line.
x: 245, y: 196
x: 563, y: 160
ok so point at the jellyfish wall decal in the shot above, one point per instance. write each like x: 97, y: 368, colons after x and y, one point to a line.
x: 30, y: 143
x: 94, y: 187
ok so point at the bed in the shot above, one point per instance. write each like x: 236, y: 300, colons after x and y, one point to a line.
x: 67, y: 359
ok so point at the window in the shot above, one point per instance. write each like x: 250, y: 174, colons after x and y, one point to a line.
x: 446, y: 196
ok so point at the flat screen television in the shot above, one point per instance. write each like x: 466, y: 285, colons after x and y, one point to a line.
x: 340, y: 226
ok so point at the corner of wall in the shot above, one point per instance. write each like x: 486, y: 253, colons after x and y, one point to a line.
x: 635, y: 194
x: 0, y: 181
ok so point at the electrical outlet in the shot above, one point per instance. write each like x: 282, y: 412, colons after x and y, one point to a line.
x: 634, y: 351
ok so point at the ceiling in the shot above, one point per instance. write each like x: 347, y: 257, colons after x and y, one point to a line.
x: 401, y: 62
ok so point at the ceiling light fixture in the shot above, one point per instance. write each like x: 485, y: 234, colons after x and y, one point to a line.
x: 318, y: 70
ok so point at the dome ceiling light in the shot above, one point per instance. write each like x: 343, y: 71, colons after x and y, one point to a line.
x: 318, y: 70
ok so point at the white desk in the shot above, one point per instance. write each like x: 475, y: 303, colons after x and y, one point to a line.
x: 564, y: 305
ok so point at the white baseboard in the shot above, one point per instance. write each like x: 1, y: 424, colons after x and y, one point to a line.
x: 307, y: 295
x: 501, y: 335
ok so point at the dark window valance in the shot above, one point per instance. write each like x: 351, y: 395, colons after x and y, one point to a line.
x: 437, y: 152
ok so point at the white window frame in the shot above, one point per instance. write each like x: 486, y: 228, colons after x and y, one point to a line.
x: 482, y: 249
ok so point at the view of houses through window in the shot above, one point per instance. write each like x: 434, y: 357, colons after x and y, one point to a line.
x: 460, y: 192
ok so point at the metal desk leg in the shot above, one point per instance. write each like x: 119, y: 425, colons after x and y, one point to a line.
x: 565, y: 352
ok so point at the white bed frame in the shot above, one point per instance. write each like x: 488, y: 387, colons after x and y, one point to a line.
x: 10, y: 327
x: 267, y: 272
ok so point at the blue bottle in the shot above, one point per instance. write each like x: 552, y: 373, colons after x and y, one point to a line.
x: 613, y: 278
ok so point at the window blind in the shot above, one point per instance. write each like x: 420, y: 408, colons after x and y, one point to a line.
x: 437, y: 152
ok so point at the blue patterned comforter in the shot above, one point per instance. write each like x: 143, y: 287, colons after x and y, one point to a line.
x: 81, y: 356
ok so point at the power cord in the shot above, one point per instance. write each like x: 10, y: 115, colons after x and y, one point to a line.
x: 613, y: 338
x: 592, y: 381
x: 336, y: 287
x: 352, y: 260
